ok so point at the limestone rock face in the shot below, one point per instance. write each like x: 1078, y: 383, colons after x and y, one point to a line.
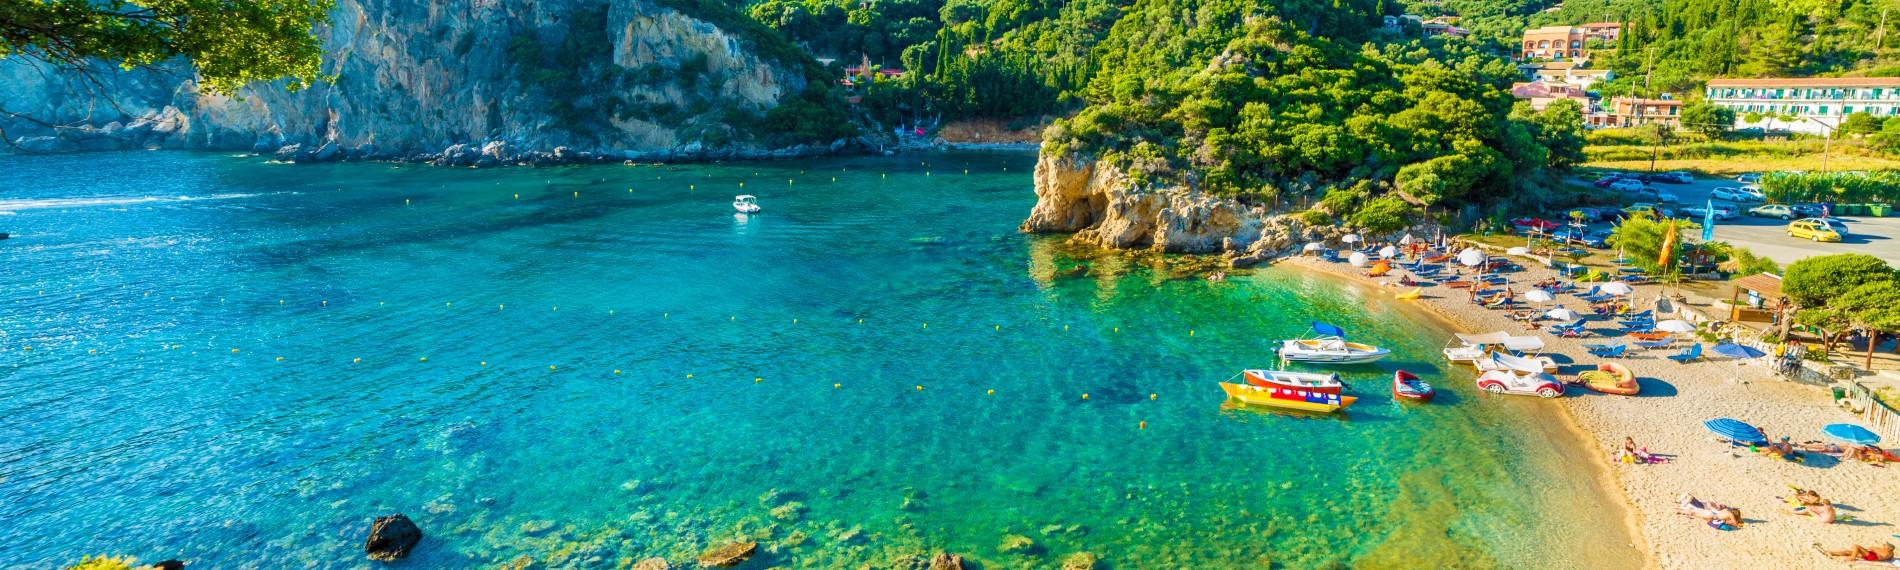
x: 1101, y: 204
x: 417, y: 77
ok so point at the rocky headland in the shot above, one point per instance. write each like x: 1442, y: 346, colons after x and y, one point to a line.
x: 461, y: 82
x: 1101, y: 204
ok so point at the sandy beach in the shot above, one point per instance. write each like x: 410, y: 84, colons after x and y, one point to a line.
x: 1667, y: 419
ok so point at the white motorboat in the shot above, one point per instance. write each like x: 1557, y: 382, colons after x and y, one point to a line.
x: 1330, y: 347
x: 746, y: 204
x: 1478, y: 350
x: 1518, y: 375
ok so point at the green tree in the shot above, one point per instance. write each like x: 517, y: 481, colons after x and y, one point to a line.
x: 1862, y: 123
x: 230, y: 43
x: 1707, y: 118
x: 1812, y: 283
x: 1874, y: 308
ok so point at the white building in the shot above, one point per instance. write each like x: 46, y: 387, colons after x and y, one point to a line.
x: 1809, y: 105
x: 1566, y: 73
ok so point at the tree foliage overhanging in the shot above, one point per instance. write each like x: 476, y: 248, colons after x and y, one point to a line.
x: 232, y: 43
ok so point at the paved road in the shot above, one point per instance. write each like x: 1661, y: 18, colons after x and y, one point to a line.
x: 1879, y: 237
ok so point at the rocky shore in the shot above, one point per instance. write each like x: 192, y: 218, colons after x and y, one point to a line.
x: 1103, y: 205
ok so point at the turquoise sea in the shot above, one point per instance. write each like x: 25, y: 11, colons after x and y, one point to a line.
x: 239, y: 364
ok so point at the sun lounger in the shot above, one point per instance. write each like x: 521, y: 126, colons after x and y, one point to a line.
x: 1692, y: 354
x: 1607, y: 350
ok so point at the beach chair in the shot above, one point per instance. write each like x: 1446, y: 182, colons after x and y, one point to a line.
x: 1693, y: 353
x: 1645, y: 314
x: 1607, y: 350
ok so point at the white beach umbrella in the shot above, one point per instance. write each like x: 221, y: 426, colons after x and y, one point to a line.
x: 1538, y: 296
x: 1388, y: 252
x: 1616, y: 288
x: 1357, y: 259
x: 1313, y: 246
x: 1407, y: 240
x: 1471, y: 257
x: 1562, y: 314
x: 1520, y: 250
x: 1676, y: 326
x: 1350, y: 238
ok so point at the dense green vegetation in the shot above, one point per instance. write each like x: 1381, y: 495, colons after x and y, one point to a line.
x: 231, y: 43
x: 1838, y: 294
x: 1838, y: 187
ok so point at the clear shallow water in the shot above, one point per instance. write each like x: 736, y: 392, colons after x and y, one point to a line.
x: 593, y: 379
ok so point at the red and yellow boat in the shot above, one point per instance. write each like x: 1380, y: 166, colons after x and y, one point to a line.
x: 1302, y: 391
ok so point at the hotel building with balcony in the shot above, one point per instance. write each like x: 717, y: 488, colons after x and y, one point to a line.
x: 1812, y: 105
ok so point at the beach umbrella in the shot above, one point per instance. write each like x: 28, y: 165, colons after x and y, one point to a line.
x: 1357, y: 259
x: 1471, y: 257
x: 1538, y: 296
x: 1350, y: 238
x: 1388, y: 252
x: 1617, y: 288
x: 1738, y: 351
x: 1735, y: 430
x: 1851, y: 433
x: 1676, y: 326
x: 1407, y: 240
x: 1519, y: 250
x: 1562, y: 314
x: 1313, y: 246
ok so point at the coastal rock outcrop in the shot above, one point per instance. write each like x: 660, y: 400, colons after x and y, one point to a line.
x: 621, y: 80
x: 1101, y: 204
x: 391, y: 537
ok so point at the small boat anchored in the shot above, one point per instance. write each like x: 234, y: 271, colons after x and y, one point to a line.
x: 1407, y: 386
x: 1330, y: 347
x: 746, y: 204
x: 1304, y: 391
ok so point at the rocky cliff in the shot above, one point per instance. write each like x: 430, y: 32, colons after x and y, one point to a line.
x: 461, y: 81
x: 1102, y: 205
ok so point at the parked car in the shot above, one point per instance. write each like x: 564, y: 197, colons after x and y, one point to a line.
x: 1597, y: 239
x: 1812, y: 230
x: 1592, y: 214
x: 1773, y: 211
x: 1606, y: 181
x: 1626, y: 185
x: 1538, y: 224
x: 1698, y: 212
x: 1647, y: 209
x: 1808, y: 210
x: 1672, y: 177
x: 1665, y: 197
x: 1835, y: 224
x: 1738, y: 194
x: 1750, y: 178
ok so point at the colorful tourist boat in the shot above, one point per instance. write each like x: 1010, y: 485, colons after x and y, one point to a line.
x: 1304, y: 391
x: 1610, y: 378
x: 1330, y: 347
x: 1407, y: 386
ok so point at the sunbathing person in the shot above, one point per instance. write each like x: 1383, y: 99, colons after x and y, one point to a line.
x: 1804, y: 498
x: 1820, y: 447
x: 1881, y: 553
x: 1823, y: 512
x: 1869, y: 454
x: 1716, y: 515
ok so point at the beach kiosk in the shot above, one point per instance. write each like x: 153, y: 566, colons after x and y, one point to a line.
x: 1757, y: 299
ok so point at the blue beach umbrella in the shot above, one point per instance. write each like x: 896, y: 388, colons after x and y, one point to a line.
x: 1738, y: 351
x: 1851, y: 433
x: 1735, y: 430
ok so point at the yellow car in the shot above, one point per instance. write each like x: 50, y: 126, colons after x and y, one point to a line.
x: 1814, y: 230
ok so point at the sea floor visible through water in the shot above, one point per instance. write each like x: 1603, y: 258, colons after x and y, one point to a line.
x: 239, y: 364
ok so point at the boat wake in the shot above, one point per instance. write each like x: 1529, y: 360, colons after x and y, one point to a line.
x: 12, y: 206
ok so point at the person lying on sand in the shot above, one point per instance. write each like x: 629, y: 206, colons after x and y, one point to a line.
x: 1717, y: 515
x: 1870, y: 454
x: 1881, y: 553
x: 1803, y: 497
x: 1781, y: 449
x: 1820, y: 447
x: 1823, y: 512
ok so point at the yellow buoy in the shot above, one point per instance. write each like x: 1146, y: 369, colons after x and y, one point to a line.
x: 501, y: 307
x: 1153, y: 396
x: 280, y: 301
x: 610, y: 312
x: 692, y: 186
x: 280, y: 359
x: 484, y: 363
x: 517, y: 196
x: 1118, y: 329
x: 96, y: 351
x: 920, y: 387
x: 550, y: 367
x: 794, y: 321
x: 742, y: 184
x: 999, y: 327
x: 422, y: 359
x: 405, y: 200
x: 357, y: 360
x: 577, y: 193
x: 732, y: 318
x: 756, y: 380
x: 689, y: 376
x: 234, y: 351
x: 666, y: 315
x: 1143, y: 425
x: 557, y: 307
x: 860, y: 321
x: 837, y: 385
x: 926, y: 325
x: 616, y: 372
x: 992, y: 392
x: 1190, y: 332
x: 326, y: 303
x: 1065, y: 327
x: 1085, y: 395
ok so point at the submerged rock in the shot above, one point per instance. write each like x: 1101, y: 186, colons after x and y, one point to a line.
x: 391, y: 537
x: 1018, y: 544
x: 652, y: 564
x: 1080, y: 561
x: 729, y: 554
x: 946, y: 561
